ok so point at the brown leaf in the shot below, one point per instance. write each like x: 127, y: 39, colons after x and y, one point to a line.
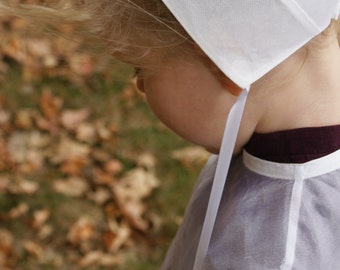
x: 102, y: 178
x: 33, y: 249
x: 6, y: 243
x: 82, y: 64
x: 68, y: 149
x: 5, y: 123
x: 6, y: 162
x: 139, y: 183
x: 4, y: 183
x: 86, y: 132
x: 40, y: 217
x: 130, y: 191
x: 118, y: 235
x: 113, y: 167
x: 71, y: 119
x: 99, y: 258
x: 112, y: 211
x: 34, y: 161
x: 100, y: 196
x: 5, y: 117
x: 6, y: 248
x: 18, y: 211
x: 25, y: 118
x: 101, y: 155
x: 45, y: 231
x: 147, y: 161
x: 50, y: 105
x: 17, y: 146
x: 38, y: 140
x: 108, y: 260
x: 103, y: 131
x: 82, y: 230
x: 26, y: 148
x: 23, y: 186
x: 73, y: 186
x: 73, y: 166
x: 91, y: 258
x: 191, y: 155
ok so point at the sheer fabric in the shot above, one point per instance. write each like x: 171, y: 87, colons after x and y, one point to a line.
x: 271, y: 216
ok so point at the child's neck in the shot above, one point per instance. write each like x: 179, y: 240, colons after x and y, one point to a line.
x: 315, y: 63
x: 302, y: 91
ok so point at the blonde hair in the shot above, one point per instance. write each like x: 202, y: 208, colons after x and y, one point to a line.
x: 136, y: 29
x: 131, y: 30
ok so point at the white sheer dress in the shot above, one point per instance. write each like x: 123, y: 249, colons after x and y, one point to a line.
x: 272, y: 216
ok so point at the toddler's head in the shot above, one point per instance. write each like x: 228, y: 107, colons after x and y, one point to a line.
x: 185, y: 88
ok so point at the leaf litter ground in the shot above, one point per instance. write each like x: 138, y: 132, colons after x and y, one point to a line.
x: 83, y: 179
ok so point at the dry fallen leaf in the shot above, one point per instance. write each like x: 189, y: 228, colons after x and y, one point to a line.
x: 51, y: 141
x: 6, y: 248
x: 18, y: 211
x: 38, y: 140
x: 50, y: 105
x: 130, y: 191
x: 33, y: 249
x: 139, y: 182
x: 191, y: 155
x: 73, y: 166
x: 17, y: 146
x: 73, y: 186
x: 100, y: 196
x: 86, y: 132
x: 4, y: 183
x: 68, y: 149
x: 100, y: 155
x: 6, y: 243
x: 91, y: 258
x: 45, y: 231
x: 27, y: 149
x: 104, y: 133
x: 102, y: 178
x: 80, y: 231
x: 5, y: 117
x: 23, y: 186
x: 118, y: 235
x: 25, y: 118
x: 113, y: 167
x: 40, y: 217
x: 147, y: 161
x: 6, y: 162
x: 99, y: 258
x: 71, y: 119
x: 82, y: 64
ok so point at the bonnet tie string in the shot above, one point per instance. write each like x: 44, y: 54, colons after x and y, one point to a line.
x: 228, y: 142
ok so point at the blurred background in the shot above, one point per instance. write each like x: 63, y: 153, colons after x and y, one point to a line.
x: 89, y: 178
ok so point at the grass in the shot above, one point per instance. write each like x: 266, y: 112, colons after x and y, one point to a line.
x: 138, y: 131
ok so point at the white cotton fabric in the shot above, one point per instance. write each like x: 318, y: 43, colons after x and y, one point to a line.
x: 271, y: 216
x: 248, y: 38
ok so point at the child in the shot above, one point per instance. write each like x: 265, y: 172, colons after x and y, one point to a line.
x: 279, y: 207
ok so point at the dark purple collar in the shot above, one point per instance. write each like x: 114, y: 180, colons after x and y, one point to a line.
x: 296, y: 145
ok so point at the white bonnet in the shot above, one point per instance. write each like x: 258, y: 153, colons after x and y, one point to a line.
x: 247, y: 38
